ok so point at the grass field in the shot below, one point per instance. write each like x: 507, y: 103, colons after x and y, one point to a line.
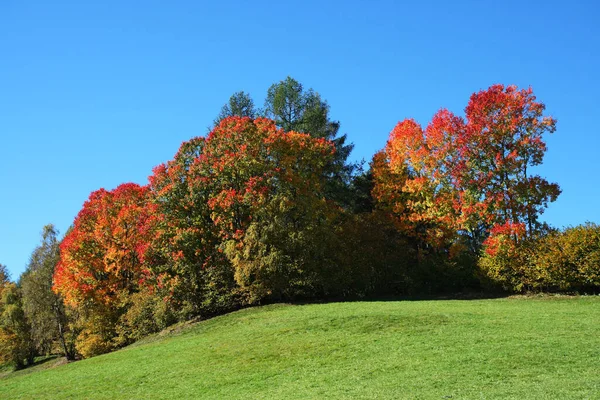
x: 515, y: 348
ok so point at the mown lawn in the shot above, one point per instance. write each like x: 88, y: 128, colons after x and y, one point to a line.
x: 515, y: 348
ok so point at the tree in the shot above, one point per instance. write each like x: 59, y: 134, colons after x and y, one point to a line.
x: 16, y: 344
x: 294, y: 109
x: 240, y: 104
x: 503, y: 140
x: 102, y: 256
x: 194, y: 276
x: 267, y: 201
x: 4, y: 277
x: 243, y: 216
x: 44, y: 309
x: 466, y: 175
x: 415, y: 179
x: 102, y: 261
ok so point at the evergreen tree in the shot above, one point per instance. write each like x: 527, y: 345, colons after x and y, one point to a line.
x: 295, y: 109
x: 240, y: 104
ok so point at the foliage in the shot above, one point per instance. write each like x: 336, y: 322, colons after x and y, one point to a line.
x: 4, y: 277
x: 504, y: 140
x: 505, y: 257
x: 467, y: 175
x: 16, y: 344
x: 192, y: 275
x: 557, y: 261
x: 101, y: 257
x: 373, y: 258
x: 569, y: 260
x: 295, y: 109
x: 102, y: 261
x: 264, y: 210
x: 240, y: 104
x: 254, y: 192
x: 270, y: 207
x: 97, y: 331
x: 146, y: 313
x: 50, y: 321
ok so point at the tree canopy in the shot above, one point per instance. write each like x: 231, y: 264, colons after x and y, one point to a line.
x: 466, y: 175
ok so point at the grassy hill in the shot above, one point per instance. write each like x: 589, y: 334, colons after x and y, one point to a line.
x: 516, y: 348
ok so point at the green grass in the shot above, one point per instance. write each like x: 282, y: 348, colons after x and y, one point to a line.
x: 515, y: 348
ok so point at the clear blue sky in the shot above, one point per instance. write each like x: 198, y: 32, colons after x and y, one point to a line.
x: 96, y: 93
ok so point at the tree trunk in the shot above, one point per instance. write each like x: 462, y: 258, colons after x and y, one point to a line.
x: 61, y: 334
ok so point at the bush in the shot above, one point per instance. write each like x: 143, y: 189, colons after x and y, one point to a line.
x: 504, y: 263
x: 97, y: 330
x: 567, y: 261
x: 147, y: 313
x: 90, y: 343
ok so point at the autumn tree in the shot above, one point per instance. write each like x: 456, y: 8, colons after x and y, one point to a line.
x: 503, y: 141
x: 414, y: 179
x: 51, y: 322
x: 244, y: 215
x: 16, y: 343
x: 466, y: 175
x: 194, y: 275
x: 102, y: 261
x: 269, y: 205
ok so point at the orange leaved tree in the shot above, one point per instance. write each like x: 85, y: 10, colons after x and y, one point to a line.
x: 102, y: 260
x: 466, y: 175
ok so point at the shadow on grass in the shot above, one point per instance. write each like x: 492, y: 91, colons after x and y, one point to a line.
x: 389, y: 298
x: 466, y: 296
x: 40, y: 363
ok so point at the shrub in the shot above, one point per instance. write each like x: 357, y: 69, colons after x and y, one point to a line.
x: 567, y: 261
x: 96, y: 331
x: 146, y: 313
x: 504, y: 259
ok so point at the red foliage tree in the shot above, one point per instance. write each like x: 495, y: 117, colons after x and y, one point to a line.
x: 191, y: 272
x: 102, y: 255
x: 502, y: 141
x: 269, y: 205
x: 468, y: 175
x: 230, y: 205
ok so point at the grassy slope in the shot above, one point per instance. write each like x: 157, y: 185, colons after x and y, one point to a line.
x: 506, y: 348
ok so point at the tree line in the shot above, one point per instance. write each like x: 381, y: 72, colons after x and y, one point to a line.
x: 266, y: 207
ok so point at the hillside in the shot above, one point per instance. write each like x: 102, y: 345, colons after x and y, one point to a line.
x: 503, y: 348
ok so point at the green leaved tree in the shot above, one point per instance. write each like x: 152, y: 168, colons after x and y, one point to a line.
x: 51, y: 322
x: 16, y: 343
x: 240, y: 104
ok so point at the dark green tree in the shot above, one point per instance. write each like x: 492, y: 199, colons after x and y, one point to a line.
x: 240, y: 104
x: 4, y: 277
x: 295, y: 109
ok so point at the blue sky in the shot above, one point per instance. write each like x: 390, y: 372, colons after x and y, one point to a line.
x: 94, y: 94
